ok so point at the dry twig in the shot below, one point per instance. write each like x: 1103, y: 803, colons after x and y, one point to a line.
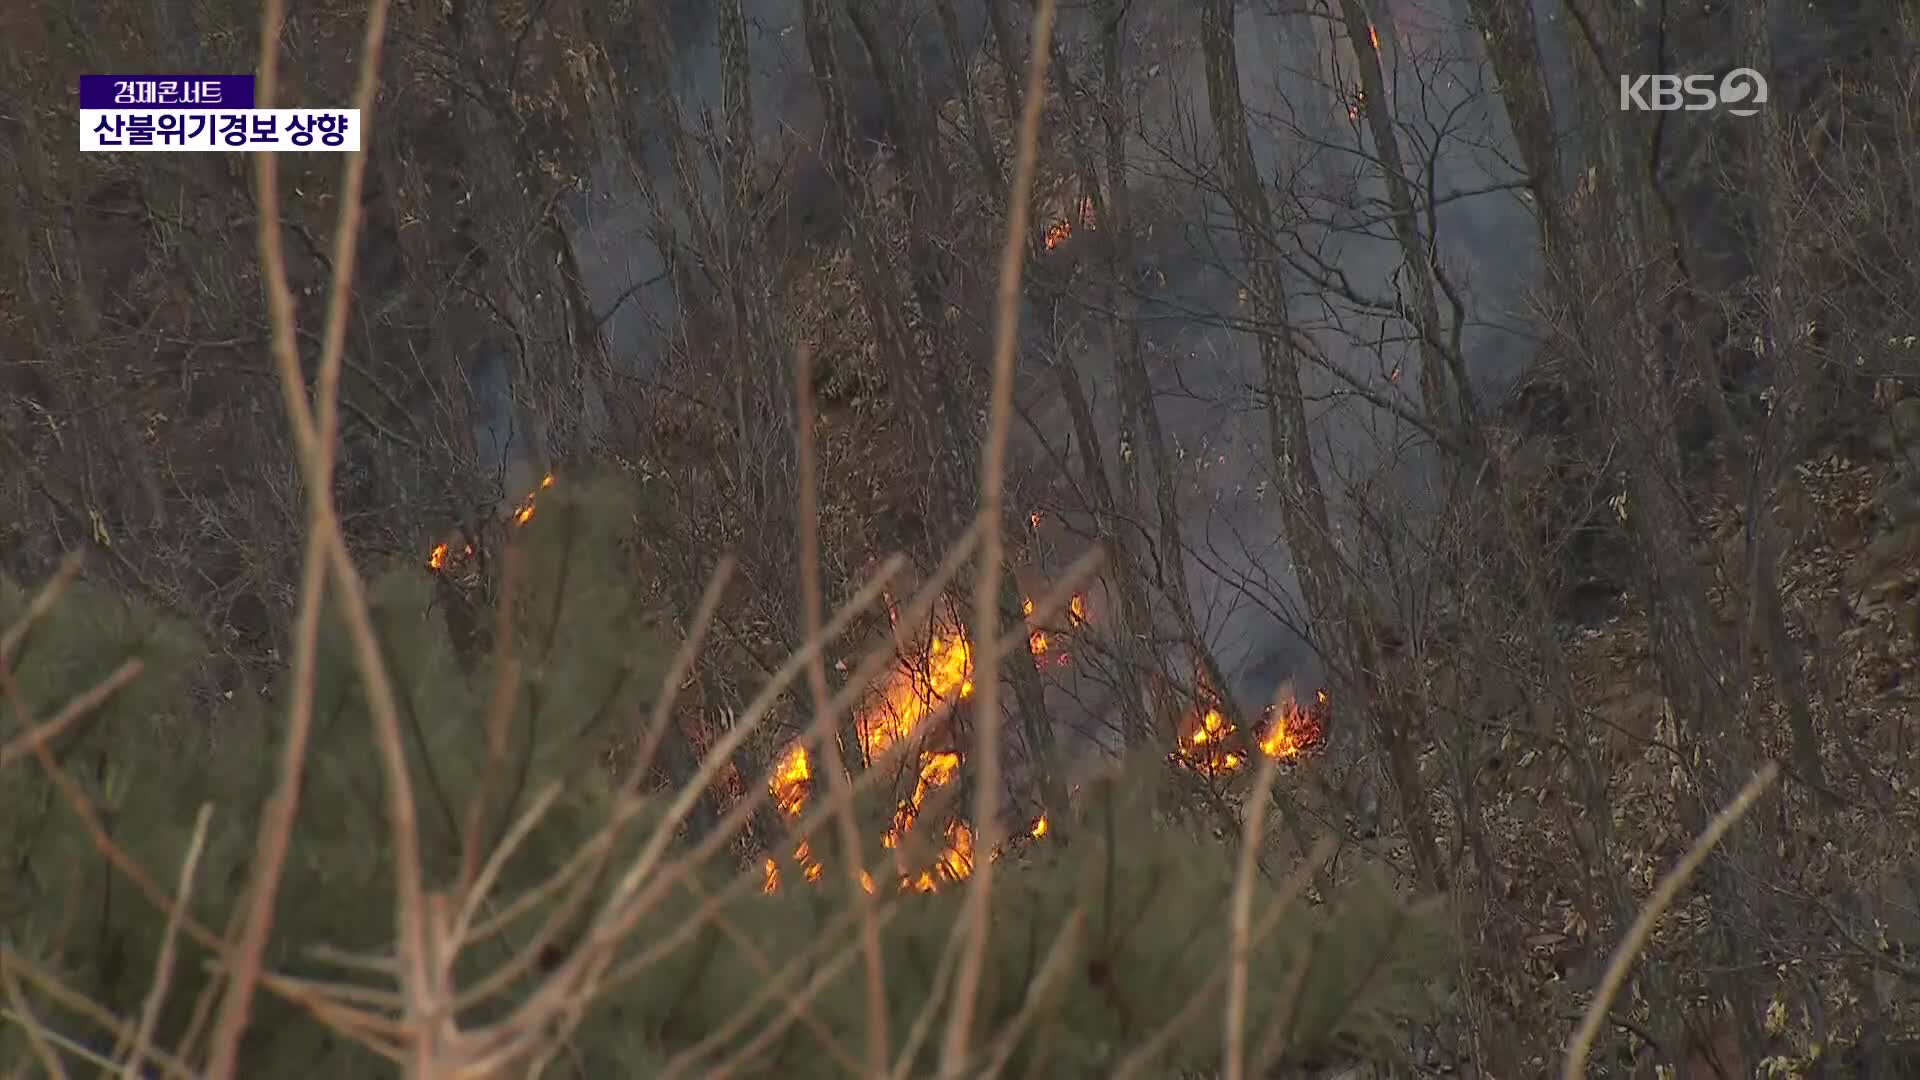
x: 315, y: 433
x: 824, y: 722
x: 1234, y: 1049
x: 986, y: 607
x: 163, y: 967
x: 1656, y: 905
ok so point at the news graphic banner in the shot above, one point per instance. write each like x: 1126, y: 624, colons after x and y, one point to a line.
x: 148, y: 113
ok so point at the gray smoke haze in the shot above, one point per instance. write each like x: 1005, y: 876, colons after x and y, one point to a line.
x: 1295, y: 66
x: 1294, y: 62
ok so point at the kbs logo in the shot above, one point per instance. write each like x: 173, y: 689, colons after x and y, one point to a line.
x: 1738, y: 93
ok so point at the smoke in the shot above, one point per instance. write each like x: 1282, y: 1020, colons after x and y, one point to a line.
x: 506, y: 441
x: 1343, y: 270
x: 613, y: 224
x: 1298, y: 72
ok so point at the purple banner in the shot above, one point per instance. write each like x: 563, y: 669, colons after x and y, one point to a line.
x: 166, y: 91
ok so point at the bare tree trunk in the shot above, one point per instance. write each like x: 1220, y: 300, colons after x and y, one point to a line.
x: 1785, y: 327
x: 1638, y: 396
x: 558, y: 358
x: 1342, y: 615
x: 1113, y: 208
x: 1135, y: 381
x: 1007, y: 51
x: 1142, y: 726
x: 1634, y: 230
x: 878, y: 292
x: 1451, y: 406
x: 929, y: 188
x: 979, y: 133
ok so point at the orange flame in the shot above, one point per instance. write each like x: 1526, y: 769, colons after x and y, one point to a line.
x: 1291, y: 730
x: 943, y: 677
x: 1373, y: 36
x: 525, y: 513
x: 439, y: 558
x: 906, y: 699
x: 1059, y: 233
x: 792, y: 779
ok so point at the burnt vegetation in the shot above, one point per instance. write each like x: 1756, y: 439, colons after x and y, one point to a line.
x: 963, y: 537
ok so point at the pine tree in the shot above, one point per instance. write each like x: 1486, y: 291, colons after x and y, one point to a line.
x: 1149, y: 898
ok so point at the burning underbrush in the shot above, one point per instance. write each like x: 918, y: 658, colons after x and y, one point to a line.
x: 1210, y: 742
x: 924, y: 688
x: 445, y: 556
x: 905, y: 706
x: 917, y: 690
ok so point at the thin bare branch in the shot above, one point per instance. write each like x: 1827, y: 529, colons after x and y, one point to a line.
x: 1650, y: 912
x: 37, y: 1034
x: 975, y: 922
x: 314, y: 433
x: 824, y: 722
x: 37, y: 737
x: 1234, y: 1049
x: 1148, y: 1052
x: 42, y: 604
x: 163, y: 966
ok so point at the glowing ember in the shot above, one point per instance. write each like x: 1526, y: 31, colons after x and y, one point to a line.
x: 441, y: 556
x: 1033, y: 519
x: 525, y: 513
x: 1058, y: 233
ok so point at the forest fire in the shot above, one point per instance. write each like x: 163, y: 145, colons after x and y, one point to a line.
x: 942, y: 677
x: 1039, y: 642
x: 904, y: 701
x: 1291, y: 729
x: 1059, y: 233
x: 524, y: 513
x: 442, y: 556
x: 908, y: 697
